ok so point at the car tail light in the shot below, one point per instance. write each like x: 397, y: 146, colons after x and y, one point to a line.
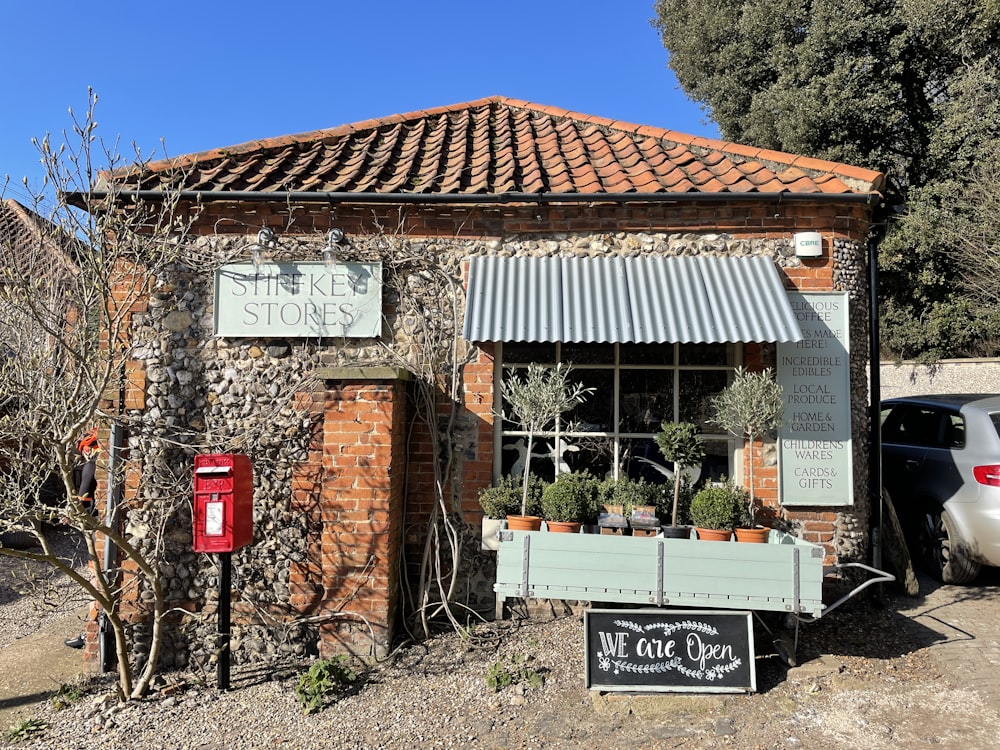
x: 989, y: 475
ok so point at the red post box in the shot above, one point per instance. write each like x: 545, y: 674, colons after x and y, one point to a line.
x: 223, y: 502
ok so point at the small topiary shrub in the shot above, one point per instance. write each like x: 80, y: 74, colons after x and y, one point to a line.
x: 504, y: 498
x: 569, y: 498
x: 664, y: 502
x: 679, y: 444
x: 723, y: 507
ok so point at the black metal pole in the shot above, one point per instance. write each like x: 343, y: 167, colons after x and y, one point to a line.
x: 225, y: 585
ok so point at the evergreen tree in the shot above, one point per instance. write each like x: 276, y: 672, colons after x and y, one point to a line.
x: 907, y: 87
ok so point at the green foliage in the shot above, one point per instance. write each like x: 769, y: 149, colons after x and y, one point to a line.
x: 26, y: 729
x: 571, y: 497
x: 629, y: 493
x: 515, y: 670
x: 504, y: 499
x: 621, y: 491
x: 910, y: 89
x: 66, y: 696
x: 751, y: 405
x: 722, y: 507
x: 679, y: 444
x: 325, y: 680
x: 665, y: 502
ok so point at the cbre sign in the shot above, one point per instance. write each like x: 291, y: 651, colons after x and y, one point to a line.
x: 299, y: 300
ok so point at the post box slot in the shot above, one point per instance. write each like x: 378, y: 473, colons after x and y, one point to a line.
x: 211, y: 470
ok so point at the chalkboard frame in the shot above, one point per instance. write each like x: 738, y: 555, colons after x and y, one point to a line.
x: 667, y: 670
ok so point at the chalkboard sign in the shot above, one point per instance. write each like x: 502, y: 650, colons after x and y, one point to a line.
x: 664, y: 650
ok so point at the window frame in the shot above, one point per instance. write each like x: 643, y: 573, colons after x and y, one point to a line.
x: 735, y: 445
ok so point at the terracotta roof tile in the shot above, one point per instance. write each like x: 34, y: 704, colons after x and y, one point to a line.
x: 499, y: 145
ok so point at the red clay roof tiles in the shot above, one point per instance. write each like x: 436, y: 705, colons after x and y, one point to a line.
x: 499, y: 145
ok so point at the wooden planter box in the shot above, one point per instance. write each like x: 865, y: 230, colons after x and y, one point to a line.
x: 784, y: 575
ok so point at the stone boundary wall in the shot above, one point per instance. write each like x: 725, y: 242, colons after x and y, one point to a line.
x: 946, y: 376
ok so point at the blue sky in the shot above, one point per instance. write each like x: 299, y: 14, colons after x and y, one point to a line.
x: 203, y: 75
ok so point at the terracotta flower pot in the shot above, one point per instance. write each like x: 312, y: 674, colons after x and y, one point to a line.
x: 714, y: 535
x: 524, y: 523
x: 564, y: 527
x: 758, y: 535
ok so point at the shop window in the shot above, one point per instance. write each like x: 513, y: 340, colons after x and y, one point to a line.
x: 637, y: 387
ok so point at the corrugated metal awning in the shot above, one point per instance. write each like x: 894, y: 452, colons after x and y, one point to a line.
x: 651, y: 300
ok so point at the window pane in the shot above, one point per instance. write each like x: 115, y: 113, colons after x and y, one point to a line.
x: 522, y: 352
x: 646, y: 354
x: 594, y: 454
x: 596, y: 413
x: 514, y: 453
x: 697, y: 389
x: 588, y: 354
x: 641, y: 459
x: 717, y: 464
x: 647, y: 399
x: 705, y: 354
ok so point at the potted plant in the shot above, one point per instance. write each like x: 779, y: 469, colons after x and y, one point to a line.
x: 679, y: 444
x: 567, y: 502
x: 681, y: 528
x: 750, y: 406
x: 718, y: 509
x: 501, y: 499
x: 535, y: 400
x: 504, y: 499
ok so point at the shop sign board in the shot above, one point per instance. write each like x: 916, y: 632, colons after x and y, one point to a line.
x: 815, y: 451
x: 299, y: 300
x: 669, y: 650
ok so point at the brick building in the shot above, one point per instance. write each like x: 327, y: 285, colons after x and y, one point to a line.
x: 464, y: 240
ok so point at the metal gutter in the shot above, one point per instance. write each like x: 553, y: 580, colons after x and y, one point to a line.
x: 253, y: 196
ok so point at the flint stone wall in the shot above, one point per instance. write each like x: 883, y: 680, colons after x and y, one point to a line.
x: 204, y: 394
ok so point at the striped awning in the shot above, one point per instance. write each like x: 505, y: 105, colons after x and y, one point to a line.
x: 652, y: 300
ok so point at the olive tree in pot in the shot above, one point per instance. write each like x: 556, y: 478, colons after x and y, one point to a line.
x: 679, y: 444
x: 536, y: 399
x: 750, y: 407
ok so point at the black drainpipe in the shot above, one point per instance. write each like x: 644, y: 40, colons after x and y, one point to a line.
x: 875, y: 409
x: 80, y: 199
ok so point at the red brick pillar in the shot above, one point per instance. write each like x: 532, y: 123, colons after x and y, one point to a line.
x: 361, y: 507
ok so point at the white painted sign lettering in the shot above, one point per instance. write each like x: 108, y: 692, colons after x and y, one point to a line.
x: 299, y: 300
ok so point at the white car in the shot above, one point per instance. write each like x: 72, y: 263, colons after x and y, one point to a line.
x: 941, y: 470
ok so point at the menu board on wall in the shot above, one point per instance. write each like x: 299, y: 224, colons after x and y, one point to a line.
x: 815, y: 452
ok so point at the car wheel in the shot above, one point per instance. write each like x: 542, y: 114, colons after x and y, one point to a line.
x: 942, y: 552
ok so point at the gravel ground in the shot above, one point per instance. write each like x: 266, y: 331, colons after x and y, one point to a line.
x: 33, y: 594
x: 867, y: 679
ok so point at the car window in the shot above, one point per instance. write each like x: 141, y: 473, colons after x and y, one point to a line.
x: 954, y: 431
x: 910, y: 424
x: 995, y: 418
